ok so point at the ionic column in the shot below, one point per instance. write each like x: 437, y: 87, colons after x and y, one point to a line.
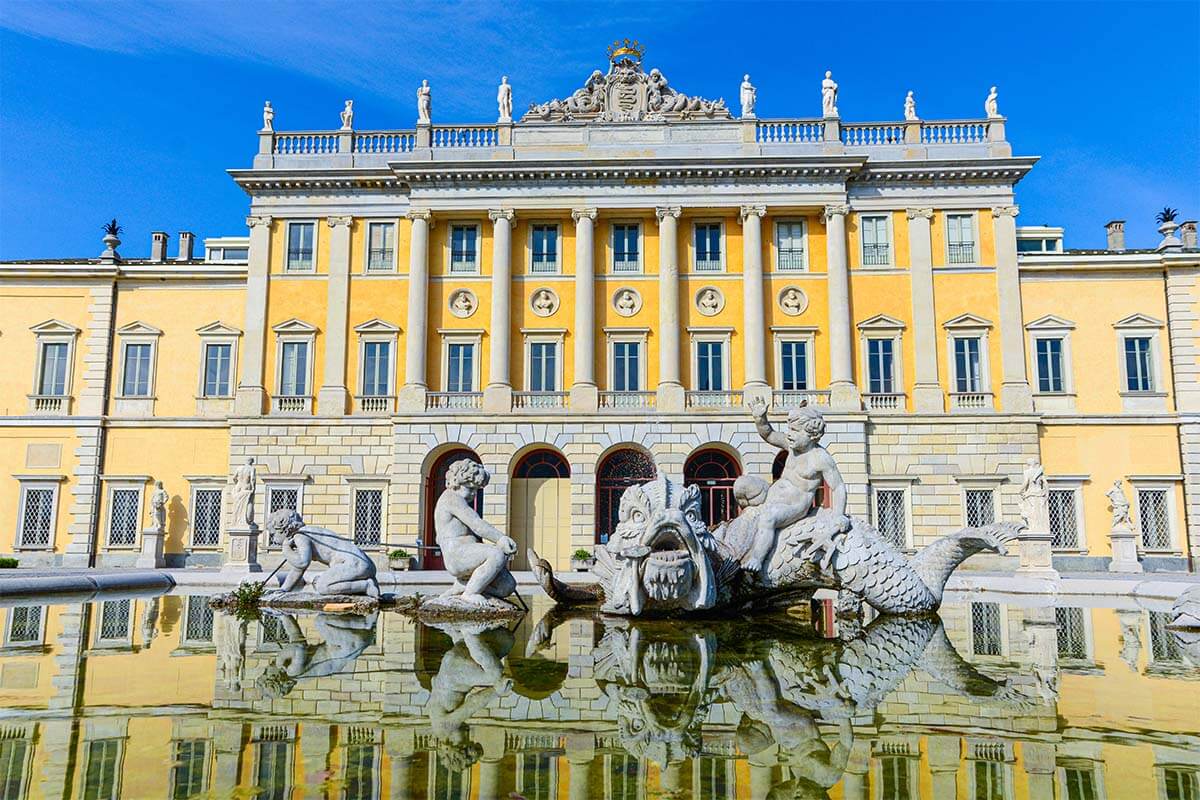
x: 497, y: 396
x: 412, y: 395
x: 251, y: 395
x: 670, y: 388
x: 843, y: 391
x: 584, y: 393
x: 332, y: 396
x: 927, y: 391
x: 754, y: 315
x: 1015, y: 394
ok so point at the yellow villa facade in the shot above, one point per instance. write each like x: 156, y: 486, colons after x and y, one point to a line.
x: 588, y: 296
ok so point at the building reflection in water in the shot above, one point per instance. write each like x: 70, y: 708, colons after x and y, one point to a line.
x: 134, y: 696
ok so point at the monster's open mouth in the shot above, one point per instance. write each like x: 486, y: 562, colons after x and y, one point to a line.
x: 668, y: 571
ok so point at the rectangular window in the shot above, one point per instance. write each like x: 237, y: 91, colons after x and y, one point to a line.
x: 627, y: 376
x: 135, y: 382
x: 986, y: 633
x: 189, y: 769
x: 1079, y: 784
x: 218, y: 359
x: 1181, y: 784
x: 293, y: 380
x: 894, y: 783
x: 880, y: 366
x: 37, y: 515
x: 793, y: 358
x: 987, y: 779
x: 543, y: 372
x: 460, y: 368
x: 361, y: 772
x: 1064, y: 519
x: 1050, y: 365
x: 280, y: 497
x: 1139, y: 373
x: 123, y: 513
x: 968, y: 375
x: 710, y: 366
x: 206, y: 518
x: 199, y: 620
x: 377, y: 362
x: 52, y: 377
x: 368, y: 516
x: 1072, y: 633
x: 545, y: 248
x: 14, y: 758
x: 381, y: 247
x: 980, y: 507
x: 707, y: 240
x: 300, y: 246
x: 891, y: 516
x: 1154, y: 518
x: 1164, y: 647
x: 789, y: 247
x: 960, y: 238
x: 273, y: 778
x: 101, y: 773
x: 625, y: 247
x: 24, y: 627
x: 114, y: 620
x: 876, y: 244
x: 464, y: 252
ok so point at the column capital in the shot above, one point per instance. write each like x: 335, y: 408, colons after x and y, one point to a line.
x: 420, y: 213
x: 919, y: 213
x: 497, y: 214
x: 581, y: 213
x: 662, y: 212
x: 746, y: 211
x: 835, y: 209
x: 334, y: 222
x: 1005, y: 211
x: 260, y: 219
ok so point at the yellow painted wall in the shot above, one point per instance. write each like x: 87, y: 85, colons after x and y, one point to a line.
x: 14, y: 444
x: 890, y: 294
x: 957, y: 294
x: 22, y: 307
x: 306, y: 299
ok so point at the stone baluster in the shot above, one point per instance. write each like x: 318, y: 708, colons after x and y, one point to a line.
x: 843, y: 391
x: 927, y: 391
x: 497, y: 396
x: 1015, y: 394
x: 670, y: 388
x: 584, y: 393
x: 251, y: 395
x: 412, y: 395
x: 332, y: 396
x: 754, y: 314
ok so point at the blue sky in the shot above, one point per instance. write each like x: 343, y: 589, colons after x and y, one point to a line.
x: 135, y: 110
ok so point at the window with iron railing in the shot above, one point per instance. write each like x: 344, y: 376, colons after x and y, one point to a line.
x: 37, y: 516
x: 876, y: 241
x: 979, y: 507
x: 987, y: 635
x: 625, y: 240
x: 707, y: 241
x: 464, y: 252
x: 960, y: 238
x: 544, y: 242
x: 891, y: 516
x: 125, y: 507
x: 300, y: 241
x: 789, y: 247
x: 368, y: 516
x: 1064, y: 518
x: 381, y: 247
x: 1154, y: 516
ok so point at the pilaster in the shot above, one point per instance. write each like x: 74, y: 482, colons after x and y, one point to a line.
x: 670, y: 389
x: 843, y: 393
x: 251, y: 394
x: 497, y: 395
x: 333, y: 396
x: 944, y: 754
x: 754, y: 313
x: 1015, y: 394
x: 585, y: 396
x: 412, y: 394
x: 927, y: 391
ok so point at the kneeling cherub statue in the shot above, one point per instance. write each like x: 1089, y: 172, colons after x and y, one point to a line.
x: 350, y: 570
x: 480, y: 569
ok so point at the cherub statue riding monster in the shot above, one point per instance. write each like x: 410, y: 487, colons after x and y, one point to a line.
x: 662, y: 559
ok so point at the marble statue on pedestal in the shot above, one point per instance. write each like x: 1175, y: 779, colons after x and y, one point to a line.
x: 268, y: 117
x: 350, y: 571
x: 348, y: 116
x: 829, y: 92
x: 158, y: 507
x: 991, y: 105
x: 504, y: 100
x: 1119, y: 504
x: 424, y: 104
x: 1122, y: 538
x: 910, y: 107
x: 1035, y: 506
x: 242, y: 490
x: 748, y: 96
x: 151, y: 555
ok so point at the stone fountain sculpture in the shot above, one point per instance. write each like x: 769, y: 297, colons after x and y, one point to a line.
x: 343, y: 638
x: 663, y: 560
x: 350, y: 571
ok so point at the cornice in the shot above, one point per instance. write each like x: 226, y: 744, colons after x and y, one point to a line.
x: 925, y: 171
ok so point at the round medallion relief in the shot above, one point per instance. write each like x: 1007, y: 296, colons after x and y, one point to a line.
x: 463, y: 303
x: 710, y: 301
x: 627, y: 301
x: 793, y: 301
x: 544, y: 302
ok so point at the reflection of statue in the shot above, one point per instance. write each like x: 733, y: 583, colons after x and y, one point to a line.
x: 910, y: 107
x: 1131, y: 637
x: 158, y: 507
x: 478, y: 568
x: 1119, y: 504
x: 829, y: 91
x: 268, y: 117
x: 991, y: 106
x: 469, y: 678
x: 348, y: 116
x: 243, y: 483
x: 748, y: 96
x: 343, y: 637
x: 504, y: 100
x: 1035, y: 509
x: 149, y: 622
x: 424, y: 104
x: 1185, y: 612
x: 350, y: 571
x: 229, y: 635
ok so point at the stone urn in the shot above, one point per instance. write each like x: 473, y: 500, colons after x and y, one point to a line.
x: 400, y: 561
x: 111, y: 243
x: 1167, y: 229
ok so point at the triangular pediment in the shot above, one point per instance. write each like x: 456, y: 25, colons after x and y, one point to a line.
x: 1139, y: 321
x: 138, y: 328
x: 376, y: 326
x: 1049, y: 322
x: 52, y: 326
x: 967, y: 321
x: 294, y: 325
x: 881, y: 322
x: 218, y: 328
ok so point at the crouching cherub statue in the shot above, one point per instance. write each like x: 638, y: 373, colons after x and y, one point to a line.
x: 350, y: 571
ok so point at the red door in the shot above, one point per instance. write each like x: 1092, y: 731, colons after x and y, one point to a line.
x: 435, y: 484
x: 714, y: 471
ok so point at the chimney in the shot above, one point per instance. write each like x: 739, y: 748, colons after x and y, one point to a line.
x: 158, y: 247
x: 187, y: 242
x: 1187, y: 232
x: 1116, y: 235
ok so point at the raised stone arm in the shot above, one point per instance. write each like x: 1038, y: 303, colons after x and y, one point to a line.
x: 298, y: 552
x: 771, y: 436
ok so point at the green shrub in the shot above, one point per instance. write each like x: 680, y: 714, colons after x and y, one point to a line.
x: 245, y: 599
x: 399, y: 554
x: 8, y: 563
x: 581, y: 555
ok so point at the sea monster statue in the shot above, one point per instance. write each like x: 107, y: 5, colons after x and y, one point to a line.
x: 663, y: 560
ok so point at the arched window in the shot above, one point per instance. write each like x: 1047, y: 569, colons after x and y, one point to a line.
x: 824, y: 496
x: 542, y: 464
x: 435, y: 484
x: 618, y: 471
x: 714, y: 471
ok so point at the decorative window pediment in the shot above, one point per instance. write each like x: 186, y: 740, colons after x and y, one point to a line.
x: 376, y: 326
x: 1139, y: 321
x: 218, y: 328
x: 294, y: 325
x: 966, y: 322
x: 881, y: 322
x: 138, y: 328
x: 1050, y: 322
x: 54, y: 327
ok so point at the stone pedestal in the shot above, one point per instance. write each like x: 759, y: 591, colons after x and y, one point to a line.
x: 1123, y: 540
x: 671, y: 398
x: 412, y: 398
x: 151, y: 556
x: 585, y: 397
x: 242, y: 555
x: 1035, y: 551
x: 497, y: 398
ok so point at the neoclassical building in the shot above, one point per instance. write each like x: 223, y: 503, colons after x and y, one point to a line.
x: 587, y: 296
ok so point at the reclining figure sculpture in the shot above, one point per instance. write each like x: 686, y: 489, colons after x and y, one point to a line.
x: 662, y: 559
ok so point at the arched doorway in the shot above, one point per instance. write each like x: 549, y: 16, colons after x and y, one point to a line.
x: 435, y: 484
x: 540, y: 508
x: 714, y: 471
x: 824, y: 496
x: 618, y: 471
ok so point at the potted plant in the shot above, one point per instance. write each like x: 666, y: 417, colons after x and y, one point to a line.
x: 399, y: 560
x: 8, y: 563
x: 582, y: 560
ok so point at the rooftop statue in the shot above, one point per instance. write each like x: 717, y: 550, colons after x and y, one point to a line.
x: 348, y: 116
x: 268, y: 117
x: 424, y: 104
x: 504, y: 100
x: 626, y: 93
x: 910, y: 107
x: 748, y: 96
x: 662, y: 560
x: 990, y: 105
x: 829, y: 91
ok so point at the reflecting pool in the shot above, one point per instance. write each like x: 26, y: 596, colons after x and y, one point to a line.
x: 160, y: 697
